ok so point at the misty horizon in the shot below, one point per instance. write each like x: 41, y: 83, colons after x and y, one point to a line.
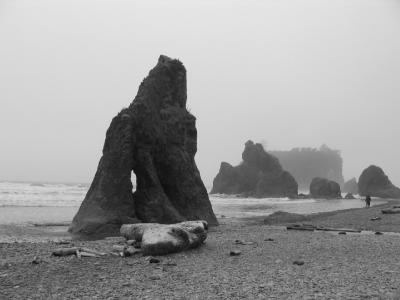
x: 277, y: 73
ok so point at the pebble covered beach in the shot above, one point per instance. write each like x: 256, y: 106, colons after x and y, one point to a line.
x: 271, y: 263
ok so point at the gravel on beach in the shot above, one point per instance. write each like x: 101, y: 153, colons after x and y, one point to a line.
x: 273, y: 264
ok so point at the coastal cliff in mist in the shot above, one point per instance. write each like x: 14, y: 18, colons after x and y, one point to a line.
x: 156, y: 138
x: 307, y: 163
x: 259, y: 175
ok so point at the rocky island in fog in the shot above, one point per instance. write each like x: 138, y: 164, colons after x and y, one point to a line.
x: 350, y: 186
x: 259, y: 175
x: 325, y: 189
x: 307, y: 163
x: 156, y: 138
x: 374, y: 182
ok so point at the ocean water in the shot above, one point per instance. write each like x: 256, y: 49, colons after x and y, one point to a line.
x: 28, y: 202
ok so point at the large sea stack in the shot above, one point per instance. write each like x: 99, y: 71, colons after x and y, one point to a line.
x: 156, y: 138
x: 259, y: 175
x: 374, y: 182
x: 325, y: 189
x: 350, y: 186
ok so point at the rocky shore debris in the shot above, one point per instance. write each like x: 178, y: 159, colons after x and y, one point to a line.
x: 259, y: 175
x: 391, y: 211
x: 156, y: 139
x: 160, y: 239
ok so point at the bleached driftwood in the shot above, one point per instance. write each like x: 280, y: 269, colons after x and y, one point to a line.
x: 159, y: 239
x: 79, y: 252
x: 65, y: 251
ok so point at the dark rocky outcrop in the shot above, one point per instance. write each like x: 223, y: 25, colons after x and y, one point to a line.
x: 259, y: 175
x: 156, y: 138
x: 349, y: 196
x: 307, y: 163
x: 325, y: 188
x: 350, y: 186
x: 374, y: 182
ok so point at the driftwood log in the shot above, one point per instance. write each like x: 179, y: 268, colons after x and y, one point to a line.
x: 159, y: 239
x: 307, y: 227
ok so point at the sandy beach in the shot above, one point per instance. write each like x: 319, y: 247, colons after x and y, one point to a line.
x: 352, y: 266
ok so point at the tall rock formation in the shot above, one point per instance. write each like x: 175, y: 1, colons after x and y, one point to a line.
x: 156, y: 138
x: 325, y: 189
x: 374, y: 182
x: 307, y: 163
x: 350, y: 186
x: 259, y: 175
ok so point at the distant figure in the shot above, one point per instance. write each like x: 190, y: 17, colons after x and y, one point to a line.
x: 367, y: 201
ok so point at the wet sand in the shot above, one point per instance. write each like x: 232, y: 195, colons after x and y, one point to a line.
x: 335, y: 266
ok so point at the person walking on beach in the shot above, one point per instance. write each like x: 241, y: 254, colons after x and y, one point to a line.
x: 367, y: 201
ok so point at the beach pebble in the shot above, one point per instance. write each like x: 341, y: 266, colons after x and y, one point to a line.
x: 155, y: 277
x: 36, y: 260
x: 240, y: 242
x: 235, y: 252
x: 119, y: 248
x: 298, y: 262
x: 154, y: 260
x: 130, y: 251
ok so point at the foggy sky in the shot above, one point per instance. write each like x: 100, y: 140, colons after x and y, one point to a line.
x: 284, y: 73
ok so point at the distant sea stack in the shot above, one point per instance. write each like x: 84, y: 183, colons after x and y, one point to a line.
x: 307, y: 163
x: 374, y: 182
x: 259, y: 175
x: 325, y: 189
x: 156, y: 138
x: 350, y: 186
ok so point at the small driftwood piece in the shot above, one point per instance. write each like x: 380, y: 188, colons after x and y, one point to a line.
x: 51, y: 224
x: 86, y: 254
x: 79, y: 252
x: 338, y: 229
x: 95, y: 252
x: 65, y: 251
x: 305, y: 227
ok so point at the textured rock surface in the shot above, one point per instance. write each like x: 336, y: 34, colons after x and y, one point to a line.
x: 374, y: 182
x: 324, y: 188
x: 350, y: 186
x: 156, y: 138
x: 259, y: 175
x: 160, y: 239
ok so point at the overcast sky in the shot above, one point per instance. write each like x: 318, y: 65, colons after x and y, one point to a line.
x: 284, y: 73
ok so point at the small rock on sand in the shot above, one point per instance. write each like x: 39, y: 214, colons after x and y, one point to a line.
x: 298, y: 262
x: 235, y: 252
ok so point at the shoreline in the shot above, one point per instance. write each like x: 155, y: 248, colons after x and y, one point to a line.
x: 357, y: 218
x: 333, y: 266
